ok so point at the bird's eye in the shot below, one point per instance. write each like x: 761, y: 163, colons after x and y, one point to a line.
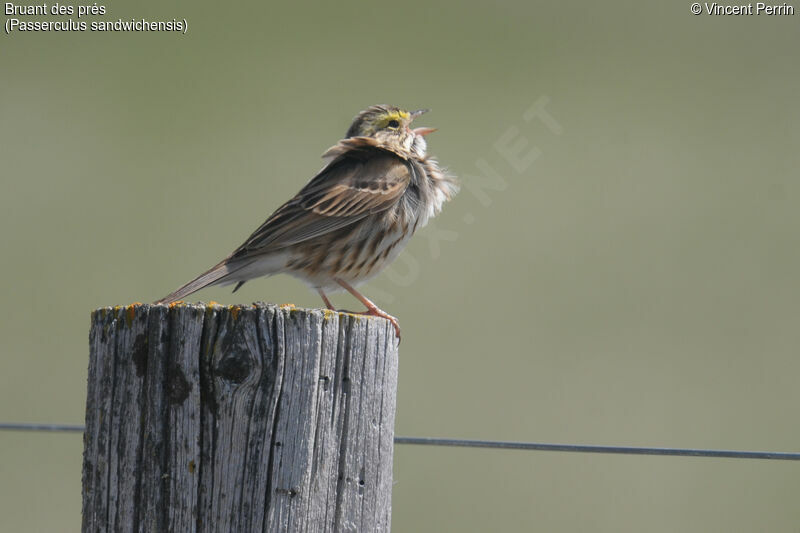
x: 393, y: 124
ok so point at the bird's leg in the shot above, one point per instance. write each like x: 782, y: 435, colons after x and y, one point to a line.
x: 372, y: 309
x: 328, y: 303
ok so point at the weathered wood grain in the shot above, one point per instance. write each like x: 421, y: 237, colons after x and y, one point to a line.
x: 245, y: 418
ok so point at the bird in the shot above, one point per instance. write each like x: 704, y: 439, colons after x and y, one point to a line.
x: 377, y: 188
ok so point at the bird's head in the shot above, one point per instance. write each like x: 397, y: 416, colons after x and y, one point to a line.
x: 390, y: 126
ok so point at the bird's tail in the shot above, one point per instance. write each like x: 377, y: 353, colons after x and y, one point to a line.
x: 211, y: 276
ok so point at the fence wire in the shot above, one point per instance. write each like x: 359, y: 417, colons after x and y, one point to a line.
x: 499, y: 445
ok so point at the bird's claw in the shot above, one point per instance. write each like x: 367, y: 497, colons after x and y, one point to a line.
x: 379, y: 313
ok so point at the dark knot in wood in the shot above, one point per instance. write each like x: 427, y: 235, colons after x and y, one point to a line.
x: 235, y: 366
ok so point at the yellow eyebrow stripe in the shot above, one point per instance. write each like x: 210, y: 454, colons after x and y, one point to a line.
x: 394, y: 115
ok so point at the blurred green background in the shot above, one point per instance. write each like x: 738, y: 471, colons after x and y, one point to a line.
x: 634, y: 281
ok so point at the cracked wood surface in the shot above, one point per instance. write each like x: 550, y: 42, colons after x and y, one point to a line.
x: 242, y: 418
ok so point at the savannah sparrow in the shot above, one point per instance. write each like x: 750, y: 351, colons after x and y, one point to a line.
x: 352, y: 219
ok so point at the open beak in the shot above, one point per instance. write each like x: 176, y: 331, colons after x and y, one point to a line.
x: 420, y: 131
x: 423, y: 131
x: 418, y: 112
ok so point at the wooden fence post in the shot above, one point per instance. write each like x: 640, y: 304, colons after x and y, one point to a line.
x: 242, y: 419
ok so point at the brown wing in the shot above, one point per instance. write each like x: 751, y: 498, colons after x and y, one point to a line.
x: 359, y: 181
